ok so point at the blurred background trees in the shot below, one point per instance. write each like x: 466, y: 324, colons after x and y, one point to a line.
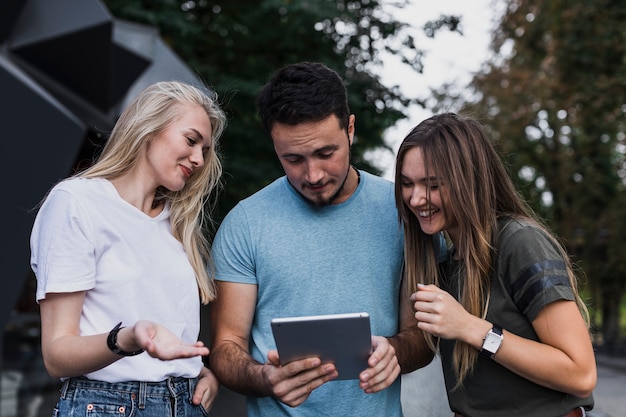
x: 554, y: 98
x: 236, y: 46
x: 553, y: 94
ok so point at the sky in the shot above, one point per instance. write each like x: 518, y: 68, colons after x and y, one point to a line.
x: 449, y: 57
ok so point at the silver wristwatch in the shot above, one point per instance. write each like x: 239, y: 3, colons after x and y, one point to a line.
x: 492, y: 342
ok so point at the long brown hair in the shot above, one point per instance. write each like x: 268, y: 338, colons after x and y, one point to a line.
x: 479, y: 192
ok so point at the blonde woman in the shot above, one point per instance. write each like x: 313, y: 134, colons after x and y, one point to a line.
x: 503, y: 311
x: 121, y: 262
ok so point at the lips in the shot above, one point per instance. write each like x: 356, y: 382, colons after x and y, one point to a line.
x: 186, y: 171
x: 427, y: 213
x: 316, y: 188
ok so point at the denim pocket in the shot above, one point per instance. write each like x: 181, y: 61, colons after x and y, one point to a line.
x: 204, y: 411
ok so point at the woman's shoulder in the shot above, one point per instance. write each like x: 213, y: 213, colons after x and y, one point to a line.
x: 76, y: 189
x: 77, y: 184
x: 509, y: 226
x: 524, y: 235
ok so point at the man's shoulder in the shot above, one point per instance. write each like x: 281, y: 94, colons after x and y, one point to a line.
x: 259, y: 203
x: 269, y: 193
x: 376, y: 178
x: 377, y: 187
x: 375, y: 181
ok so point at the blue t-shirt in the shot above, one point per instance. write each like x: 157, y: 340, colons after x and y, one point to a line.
x: 310, y: 260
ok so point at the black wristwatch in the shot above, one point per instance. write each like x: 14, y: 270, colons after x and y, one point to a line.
x: 112, y: 342
x: 492, y: 342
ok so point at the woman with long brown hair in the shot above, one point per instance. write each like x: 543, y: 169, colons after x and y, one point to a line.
x: 503, y: 310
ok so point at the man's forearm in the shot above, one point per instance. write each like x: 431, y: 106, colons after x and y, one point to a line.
x: 411, y: 348
x: 236, y: 370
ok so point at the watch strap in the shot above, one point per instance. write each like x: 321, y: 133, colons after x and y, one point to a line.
x: 112, y: 342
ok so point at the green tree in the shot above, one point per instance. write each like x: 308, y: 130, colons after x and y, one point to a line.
x: 554, y: 98
x: 236, y: 45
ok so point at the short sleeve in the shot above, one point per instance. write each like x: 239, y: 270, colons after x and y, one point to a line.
x: 62, y: 252
x: 532, y: 269
x: 232, y: 249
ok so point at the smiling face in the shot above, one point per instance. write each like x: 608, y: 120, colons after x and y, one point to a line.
x: 179, y: 150
x: 316, y: 159
x: 424, y: 193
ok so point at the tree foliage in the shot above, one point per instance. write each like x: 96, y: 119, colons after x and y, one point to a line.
x: 236, y: 45
x: 554, y: 98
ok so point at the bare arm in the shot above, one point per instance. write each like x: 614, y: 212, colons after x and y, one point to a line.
x: 411, y: 347
x: 231, y: 315
x: 563, y: 360
x: 66, y: 353
x: 231, y: 320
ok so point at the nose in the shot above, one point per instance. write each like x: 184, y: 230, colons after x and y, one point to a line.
x: 418, y: 196
x: 197, y: 157
x: 314, y: 173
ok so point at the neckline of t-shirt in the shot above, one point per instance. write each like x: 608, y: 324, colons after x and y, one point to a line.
x: 350, y: 199
x: 111, y: 190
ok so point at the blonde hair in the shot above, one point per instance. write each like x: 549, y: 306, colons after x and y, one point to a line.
x: 150, y: 112
x: 480, y: 192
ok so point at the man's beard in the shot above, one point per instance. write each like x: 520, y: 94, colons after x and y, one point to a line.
x: 328, y: 201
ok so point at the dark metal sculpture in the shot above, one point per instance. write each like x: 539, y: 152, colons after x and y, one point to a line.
x: 67, y: 68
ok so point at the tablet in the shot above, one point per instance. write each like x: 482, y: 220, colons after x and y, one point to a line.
x: 343, y: 339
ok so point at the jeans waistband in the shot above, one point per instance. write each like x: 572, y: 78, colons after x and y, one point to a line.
x: 171, y: 387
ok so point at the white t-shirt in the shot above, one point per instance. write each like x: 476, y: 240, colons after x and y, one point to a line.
x: 87, y: 238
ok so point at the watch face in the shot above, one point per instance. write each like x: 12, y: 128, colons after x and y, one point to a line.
x: 492, y: 342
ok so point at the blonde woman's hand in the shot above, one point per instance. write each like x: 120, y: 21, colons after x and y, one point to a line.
x: 206, y: 389
x: 161, y: 343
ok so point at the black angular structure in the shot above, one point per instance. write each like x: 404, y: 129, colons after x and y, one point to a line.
x: 67, y: 68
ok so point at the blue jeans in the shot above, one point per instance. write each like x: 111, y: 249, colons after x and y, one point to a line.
x: 85, y: 397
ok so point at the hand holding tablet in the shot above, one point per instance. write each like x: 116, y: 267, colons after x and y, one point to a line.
x: 343, y: 339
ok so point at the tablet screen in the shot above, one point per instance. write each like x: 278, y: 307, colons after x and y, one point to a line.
x: 343, y: 339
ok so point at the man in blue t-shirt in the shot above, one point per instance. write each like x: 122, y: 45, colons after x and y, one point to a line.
x: 322, y: 239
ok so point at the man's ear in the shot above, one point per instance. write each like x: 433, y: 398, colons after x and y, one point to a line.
x: 351, y: 128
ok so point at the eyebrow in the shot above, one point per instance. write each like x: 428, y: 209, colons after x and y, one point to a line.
x: 424, y: 179
x: 197, y: 133
x: 315, y: 152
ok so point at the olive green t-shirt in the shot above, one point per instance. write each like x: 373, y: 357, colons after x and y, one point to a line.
x: 530, y: 274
